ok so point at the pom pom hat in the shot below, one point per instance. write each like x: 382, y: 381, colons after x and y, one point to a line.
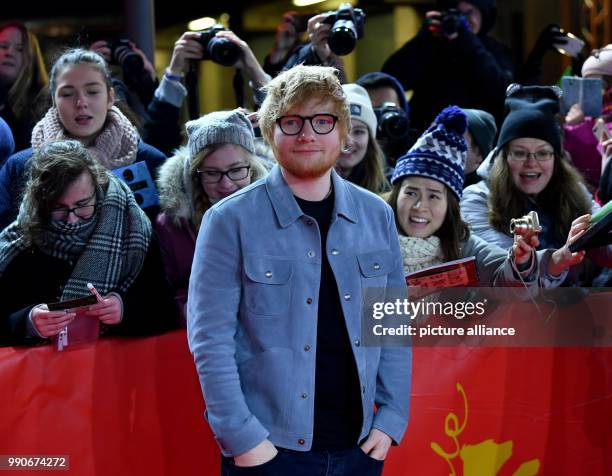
x: 439, y: 153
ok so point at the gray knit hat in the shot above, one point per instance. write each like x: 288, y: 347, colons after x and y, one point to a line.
x: 482, y: 126
x: 220, y: 127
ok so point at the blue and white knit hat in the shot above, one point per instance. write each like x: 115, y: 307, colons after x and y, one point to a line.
x: 439, y: 153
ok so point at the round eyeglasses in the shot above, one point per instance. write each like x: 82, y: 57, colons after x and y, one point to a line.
x: 83, y: 212
x: 215, y: 176
x: 321, y: 123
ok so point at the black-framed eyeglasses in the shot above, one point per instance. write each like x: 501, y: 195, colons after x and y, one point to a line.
x: 84, y: 212
x: 215, y: 176
x: 321, y: 123
x: 520, y: 155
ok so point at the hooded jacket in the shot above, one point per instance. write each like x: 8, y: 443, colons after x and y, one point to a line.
x: 175, y: 225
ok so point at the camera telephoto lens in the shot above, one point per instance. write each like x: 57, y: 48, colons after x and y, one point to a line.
x: 343, y: 37
x: 223, y: 51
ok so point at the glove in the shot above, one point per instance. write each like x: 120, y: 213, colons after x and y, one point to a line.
x: 548, y: 39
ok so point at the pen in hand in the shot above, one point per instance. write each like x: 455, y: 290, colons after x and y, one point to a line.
x: 94, y: 291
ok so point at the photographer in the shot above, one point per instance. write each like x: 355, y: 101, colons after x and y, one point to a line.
x: 331, y: 35
x: 163, y: 127
x: 452, y: 60
x: 138, y: 77
x: 394, y: 133
x: 286, y: 42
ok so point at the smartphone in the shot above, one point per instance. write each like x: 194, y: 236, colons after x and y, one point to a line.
x: 571, y: 46
x: 601, y: 131
x: 583, y: 91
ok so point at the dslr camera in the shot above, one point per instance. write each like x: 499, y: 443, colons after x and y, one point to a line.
x: 451, y: 22
x: 123, y: 55
x: 393, y: 122
x: 219, y: 50
x: 346, y: 28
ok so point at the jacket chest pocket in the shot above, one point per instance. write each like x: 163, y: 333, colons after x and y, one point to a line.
x: 267, y: 287
x: 374, y: 267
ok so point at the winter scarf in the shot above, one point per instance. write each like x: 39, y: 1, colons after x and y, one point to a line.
x: 420, y: 253
x: 107, y: 250
x: 115, y: 146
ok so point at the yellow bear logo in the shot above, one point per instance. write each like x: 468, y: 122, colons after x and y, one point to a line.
x: 482, y: 459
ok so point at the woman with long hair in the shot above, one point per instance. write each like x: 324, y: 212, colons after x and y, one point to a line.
x: 22, y: 77
x: 217, y: 161
x: 530, y: 173
x: 427, y: 188
x: 79, y: 224
x: 362, y: 160
x: 83, y: 109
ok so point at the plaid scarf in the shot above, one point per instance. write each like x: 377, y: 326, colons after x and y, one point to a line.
x: 115, y: 146
x: 107, y: 250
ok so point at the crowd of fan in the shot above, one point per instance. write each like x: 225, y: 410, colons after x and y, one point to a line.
x: 454, y: 177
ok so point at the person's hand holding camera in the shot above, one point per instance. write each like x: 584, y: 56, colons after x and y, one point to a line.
x: 563, y: 258
x: 187, y: 47
x: 248, y: 62
x: 102, y: 48
x: 318, y: 34
x: 523, y: 248
x: 433, y: 20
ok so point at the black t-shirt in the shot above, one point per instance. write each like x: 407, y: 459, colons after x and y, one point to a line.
x: 338, y: 411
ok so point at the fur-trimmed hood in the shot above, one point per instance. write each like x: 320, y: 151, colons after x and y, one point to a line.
x: 174, y: 185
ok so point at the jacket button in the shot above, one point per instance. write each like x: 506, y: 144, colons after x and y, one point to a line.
x: 376, y: 266
x: 357, y: 342
x: 306, y: 347
x: 311, y: 254
x: 309, y: 301
x: 304, y: 395
x: 301, y: 441
x: 335, y: 252
x: 268, y: 274
x: 347, y: 297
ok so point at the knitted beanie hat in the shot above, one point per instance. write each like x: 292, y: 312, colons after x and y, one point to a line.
x: 482, y: 126
x: 220, y: 127
x: 439, y: 153
x: 361, y: 106
x: 600, y: 62
x: 531, y: 113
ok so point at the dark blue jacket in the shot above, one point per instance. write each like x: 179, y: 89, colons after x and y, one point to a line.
x: 14, y: 175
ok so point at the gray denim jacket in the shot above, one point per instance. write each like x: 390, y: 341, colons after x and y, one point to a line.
x: 252, y: 312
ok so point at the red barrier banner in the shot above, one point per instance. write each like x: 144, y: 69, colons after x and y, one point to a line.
x: 134, y: 407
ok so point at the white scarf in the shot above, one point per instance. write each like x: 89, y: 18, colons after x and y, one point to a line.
x: 420, y: 253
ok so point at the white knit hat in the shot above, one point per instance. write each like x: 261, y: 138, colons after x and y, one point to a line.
x: 600, y: 62
x: 361, y: 106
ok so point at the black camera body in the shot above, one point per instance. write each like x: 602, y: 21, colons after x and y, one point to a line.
x: 393, y: 122
x: 123, y: 55
x: 347, y: 25
x: 219, y: 50
x: 451, y: 21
